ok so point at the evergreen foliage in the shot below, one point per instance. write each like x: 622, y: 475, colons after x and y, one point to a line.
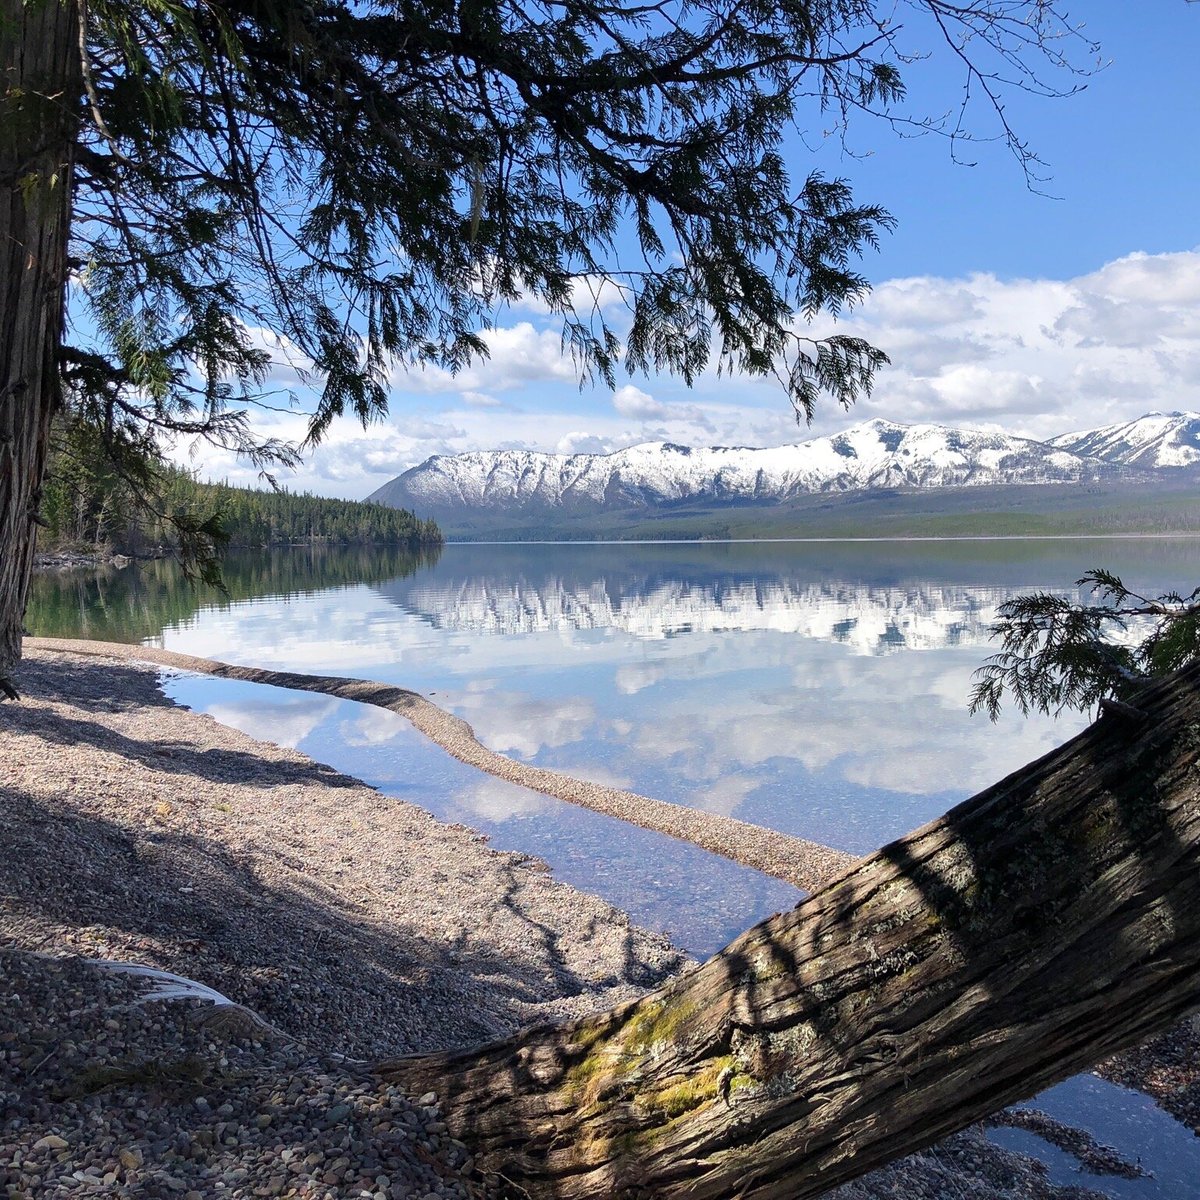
x: 354, y: 186
x: 1059, y: 653
x: 88, y: 501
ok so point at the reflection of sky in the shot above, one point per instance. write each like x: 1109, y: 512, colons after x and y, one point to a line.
x: 1118, y: 1117
x: 702, y: 900
x: 827, y: 699
x: 834, y: 709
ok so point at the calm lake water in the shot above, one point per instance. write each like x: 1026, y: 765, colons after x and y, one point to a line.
x: 818, y: 688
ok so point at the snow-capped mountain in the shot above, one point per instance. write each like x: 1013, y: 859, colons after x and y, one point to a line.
x: 877, y: 454
x: 1156, y: 440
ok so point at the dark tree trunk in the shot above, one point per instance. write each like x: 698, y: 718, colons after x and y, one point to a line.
x: 39, y: 47
x: 1035, y: 929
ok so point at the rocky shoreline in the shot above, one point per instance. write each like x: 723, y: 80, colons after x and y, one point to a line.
x: 69, y: 560
x: 355, y: 925
x: 103, y: 1093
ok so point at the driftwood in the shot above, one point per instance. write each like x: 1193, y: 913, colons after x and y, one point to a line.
x: 1039, y: 927
x: 1033, y: 930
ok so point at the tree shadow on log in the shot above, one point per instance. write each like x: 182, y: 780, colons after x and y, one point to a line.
x: 1047, y: 923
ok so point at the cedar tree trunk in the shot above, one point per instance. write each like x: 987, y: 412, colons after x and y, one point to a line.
x: 1030, y: 932
x: 39, y: 93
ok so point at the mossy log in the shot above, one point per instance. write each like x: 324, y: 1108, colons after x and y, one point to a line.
x: 1033, y: 930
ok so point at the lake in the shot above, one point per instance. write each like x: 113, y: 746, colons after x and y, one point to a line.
x: 816, y: 688
x: 819, y: 688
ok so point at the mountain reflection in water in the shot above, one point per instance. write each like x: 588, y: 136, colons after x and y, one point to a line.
x: 819, y: 688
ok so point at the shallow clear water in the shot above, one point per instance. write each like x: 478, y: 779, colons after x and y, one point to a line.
x: 820, y: 689
x: 1114, y: 1116
x: 700, y: 899
x: 817, y: 688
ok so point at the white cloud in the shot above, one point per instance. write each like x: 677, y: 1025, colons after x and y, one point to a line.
x: 517, y: 355
x: 1035, y: 357
x: 589, y: 293
x: 481, y: 400
x: 1038, y: 357
x: 579, y: 442
x: 630, y: 401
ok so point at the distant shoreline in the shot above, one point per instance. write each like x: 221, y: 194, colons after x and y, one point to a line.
x: 999, y: 537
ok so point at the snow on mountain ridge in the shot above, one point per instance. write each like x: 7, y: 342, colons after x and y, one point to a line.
x: 875, y: 454
x: 1156, y: 440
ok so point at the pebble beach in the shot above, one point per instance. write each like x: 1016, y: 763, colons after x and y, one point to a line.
x: 342, y: 927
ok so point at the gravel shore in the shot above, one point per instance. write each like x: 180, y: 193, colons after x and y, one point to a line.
x: 356, y: 926
x: 807, y: 865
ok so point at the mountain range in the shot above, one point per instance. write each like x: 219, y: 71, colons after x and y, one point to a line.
x: 524, y: 488
x: 1157, y: 440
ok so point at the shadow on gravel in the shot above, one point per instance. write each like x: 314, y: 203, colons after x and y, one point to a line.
x: 93, y: 684
x: 298, y: 955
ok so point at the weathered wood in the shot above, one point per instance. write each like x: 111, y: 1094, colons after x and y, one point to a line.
x: 39, y: 100
x: 1040, y: 926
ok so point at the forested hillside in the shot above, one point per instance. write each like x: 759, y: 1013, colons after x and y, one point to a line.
x: 270, y: 518
x: 86, y: 505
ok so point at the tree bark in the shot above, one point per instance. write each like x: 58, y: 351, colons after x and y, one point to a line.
x: 39, y: 102
x: 1047, y: 923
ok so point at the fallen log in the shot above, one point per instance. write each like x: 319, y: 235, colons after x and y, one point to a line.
x: 1033, y: 930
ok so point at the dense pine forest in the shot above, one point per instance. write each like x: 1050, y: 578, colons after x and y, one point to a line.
x: 88, y: 506
x: 272, y: 518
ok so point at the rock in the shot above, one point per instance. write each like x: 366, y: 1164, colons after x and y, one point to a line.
x: 51, y: 1142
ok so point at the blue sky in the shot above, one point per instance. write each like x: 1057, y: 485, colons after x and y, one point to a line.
x: 1001, y: 307
x: 1122, y: 153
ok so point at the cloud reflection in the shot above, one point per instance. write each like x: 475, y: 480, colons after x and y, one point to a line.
x: 494, y: 800
x: 286, y: 724
x: 821, y: 688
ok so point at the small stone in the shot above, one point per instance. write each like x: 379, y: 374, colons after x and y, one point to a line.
x: 51, y: 1142
x: 428, y: 1098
